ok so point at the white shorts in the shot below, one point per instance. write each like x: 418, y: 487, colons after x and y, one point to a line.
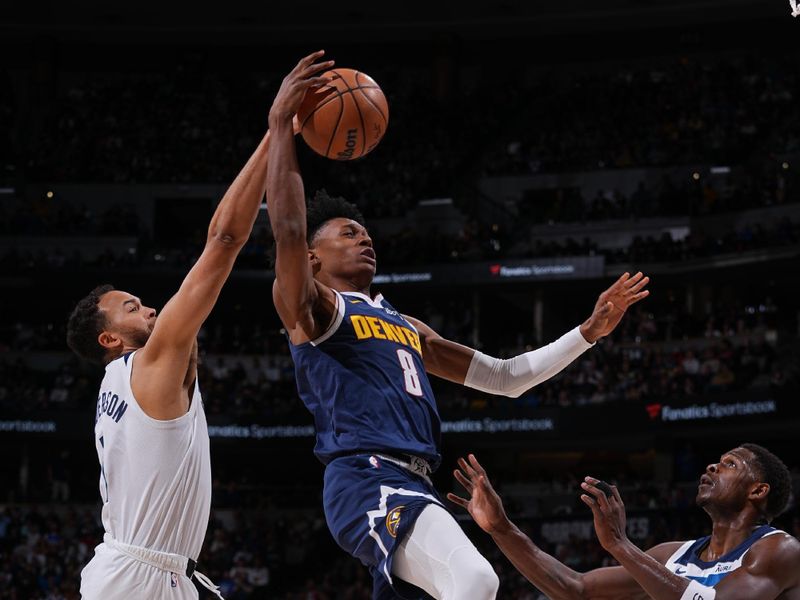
x: 111, y: 575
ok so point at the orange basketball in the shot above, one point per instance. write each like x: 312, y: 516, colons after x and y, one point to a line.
x: 346, y: 118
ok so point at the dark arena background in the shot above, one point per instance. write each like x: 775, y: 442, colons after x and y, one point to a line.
x: 535, y: 151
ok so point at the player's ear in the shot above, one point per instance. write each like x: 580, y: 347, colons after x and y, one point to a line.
x: 313, y: 258
x: 759, y: 491
x: 109, y: 340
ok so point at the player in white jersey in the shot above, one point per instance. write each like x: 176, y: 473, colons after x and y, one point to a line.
x: 743, y: 558
x: 150, y: 431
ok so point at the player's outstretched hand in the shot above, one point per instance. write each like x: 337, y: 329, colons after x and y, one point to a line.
x: 484, y: 504
x: 612, y: 304
x: 300, y: 80
x: 608, y: 510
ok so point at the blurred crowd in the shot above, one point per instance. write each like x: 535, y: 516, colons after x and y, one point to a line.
x: 288, y: 553
x: 689, y: 110
x: 657, y: 353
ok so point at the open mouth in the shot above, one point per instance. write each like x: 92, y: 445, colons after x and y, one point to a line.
x: 706, y: 480
x: 369, y: 253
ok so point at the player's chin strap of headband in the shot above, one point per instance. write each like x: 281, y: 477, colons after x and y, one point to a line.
x: 166, y: 561
x: 514, y: 376
x: 697, y: 591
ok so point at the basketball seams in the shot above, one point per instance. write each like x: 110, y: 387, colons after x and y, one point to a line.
x: 335, y: 127
x: 358, y: 109
x: 374, y: 105
x: 367, y: 111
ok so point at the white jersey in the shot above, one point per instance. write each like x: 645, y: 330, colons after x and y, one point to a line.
x: 155, y: 476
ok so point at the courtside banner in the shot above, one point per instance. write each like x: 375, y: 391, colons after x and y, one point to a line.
x: 504, y: 271
x: 528, y: 423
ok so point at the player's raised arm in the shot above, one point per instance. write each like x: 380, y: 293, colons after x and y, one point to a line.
x: 769, y: 568
x: 512, y: 377
x: 294, y: 292
x: 554, y: 578
x: 160, y: 371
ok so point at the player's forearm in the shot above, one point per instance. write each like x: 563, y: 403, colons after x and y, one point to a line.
x: 514, y: 376
x: 654, y: 578
x: 237, y: 211
x: 552, y: 577
x: 286, y: 202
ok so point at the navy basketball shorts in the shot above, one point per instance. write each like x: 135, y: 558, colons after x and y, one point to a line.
x: 370, y: 505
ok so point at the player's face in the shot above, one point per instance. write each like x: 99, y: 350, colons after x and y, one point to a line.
x: 728, y: 482
x: 343, y: 248
x: 127, y: 319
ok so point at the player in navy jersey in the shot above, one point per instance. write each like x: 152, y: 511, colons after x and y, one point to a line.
x: 361, y: 369
x: 743, y: 558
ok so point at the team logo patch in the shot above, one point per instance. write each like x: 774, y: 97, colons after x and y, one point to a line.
x: 173, y: 580
x: 393, y: 521
x: 373, y: 460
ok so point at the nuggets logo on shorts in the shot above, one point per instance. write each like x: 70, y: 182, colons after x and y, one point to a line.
x: 173, y: 580
x: 373, y: 460
x: 393, y: 521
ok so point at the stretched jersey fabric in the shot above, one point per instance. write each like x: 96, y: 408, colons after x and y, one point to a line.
x: 155, y: 476
x: 365, y: 383
x: 686, y: 560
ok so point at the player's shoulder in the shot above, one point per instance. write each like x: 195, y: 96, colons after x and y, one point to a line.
x: 662, y: 552
x: 779, y: 541
x: 778, y: 552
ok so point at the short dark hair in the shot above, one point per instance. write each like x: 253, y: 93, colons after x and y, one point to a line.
x: 85, y: 324
x: 324, y: 207
x: 776, y: 474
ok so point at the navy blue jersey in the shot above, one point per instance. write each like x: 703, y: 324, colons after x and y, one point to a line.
x: 686, y: 561
x: 365, y: 383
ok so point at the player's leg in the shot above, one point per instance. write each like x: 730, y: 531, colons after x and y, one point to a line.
x: 437, y: 556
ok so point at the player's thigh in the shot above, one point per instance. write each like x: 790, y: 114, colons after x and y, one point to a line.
x: 438, y: 557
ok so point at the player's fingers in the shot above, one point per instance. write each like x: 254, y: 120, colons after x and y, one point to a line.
x: 316, y: 68
x: 308, y: 59
x: 615, y: 492
x: 634, y: 280
x: 466, y: 483
x: 642, y: 282
x: 467, y: 468
x: 457, y: 500
x: 598, y: 495
x: 476, y: 465
x: 588, y: 502
x: 639, y: 296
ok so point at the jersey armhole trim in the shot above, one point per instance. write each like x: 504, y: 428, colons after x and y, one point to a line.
x: 336, y: 321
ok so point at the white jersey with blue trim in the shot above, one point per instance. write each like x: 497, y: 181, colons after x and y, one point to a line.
x: 155, y: 476
x: 687, y: 563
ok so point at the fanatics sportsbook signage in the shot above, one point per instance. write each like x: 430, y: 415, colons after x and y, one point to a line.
x: 505, y: 271
x: 530, y: 424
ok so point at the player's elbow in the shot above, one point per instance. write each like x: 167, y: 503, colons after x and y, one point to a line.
x: 226, y: 239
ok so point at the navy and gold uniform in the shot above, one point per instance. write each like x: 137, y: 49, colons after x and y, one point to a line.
x: 377, y: 427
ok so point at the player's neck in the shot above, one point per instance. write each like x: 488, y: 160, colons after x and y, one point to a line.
x: 342, y: 284
x: 727, y: 534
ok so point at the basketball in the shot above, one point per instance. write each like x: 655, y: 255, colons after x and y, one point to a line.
x: 346, y: 118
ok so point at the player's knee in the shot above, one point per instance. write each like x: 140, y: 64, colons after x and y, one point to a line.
x: 476, y: 578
